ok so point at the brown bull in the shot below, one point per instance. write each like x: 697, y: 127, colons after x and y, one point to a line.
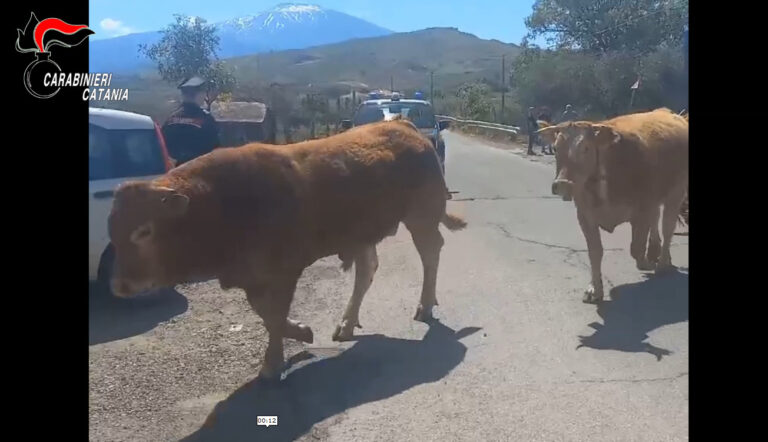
x: 256, y: 216
x: 623, y: 170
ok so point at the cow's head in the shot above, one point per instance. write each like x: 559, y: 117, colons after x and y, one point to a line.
x: 576, y: 147
x: 141, y: 216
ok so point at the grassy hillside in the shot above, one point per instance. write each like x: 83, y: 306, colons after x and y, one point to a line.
x: 409, y: 57
x: 454, y: 56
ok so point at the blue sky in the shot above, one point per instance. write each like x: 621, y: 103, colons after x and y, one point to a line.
x: 499, y: 19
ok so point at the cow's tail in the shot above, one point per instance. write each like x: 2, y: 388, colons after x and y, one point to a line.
x: 453, y: 222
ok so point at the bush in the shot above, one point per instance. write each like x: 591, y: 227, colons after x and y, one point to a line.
x: 474, y: 101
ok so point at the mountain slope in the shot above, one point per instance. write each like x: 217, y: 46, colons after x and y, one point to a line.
x: 286, y: 26
x: 408, y: 57
x: 120, y: 54
x: 454, y: 56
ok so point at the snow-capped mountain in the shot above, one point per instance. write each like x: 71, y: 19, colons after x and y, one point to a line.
x: 286, y: 26
x: 276, y: 19
x: 291, y: 26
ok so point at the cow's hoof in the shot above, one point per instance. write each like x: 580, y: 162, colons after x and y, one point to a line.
x: 645, y: 265
x: 345, y: 331
x: 271, y: 374
x: 663, y: 269
x: 653, y: 260
x: 423, y: 314
x: 592, y: 296
x: 305, y: 334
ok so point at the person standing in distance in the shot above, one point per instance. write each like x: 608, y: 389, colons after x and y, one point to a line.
x: 568, y: 115
x: 190, y: 131
x: 533, y: 126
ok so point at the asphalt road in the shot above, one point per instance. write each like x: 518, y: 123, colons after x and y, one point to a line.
x: 515, y: 355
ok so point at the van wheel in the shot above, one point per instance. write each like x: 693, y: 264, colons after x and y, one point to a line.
x: 105, y: 271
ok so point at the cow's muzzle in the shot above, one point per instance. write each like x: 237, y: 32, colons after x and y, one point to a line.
x: 563, y: 188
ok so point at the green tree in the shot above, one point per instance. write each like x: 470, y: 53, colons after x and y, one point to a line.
x: 608, y: 25
x: 598, y: 85
x: 474, y: 101
x: 188, y: 47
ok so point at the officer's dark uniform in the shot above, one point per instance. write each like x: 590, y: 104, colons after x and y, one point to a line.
x: 533, y: 126
x: 190, y: 131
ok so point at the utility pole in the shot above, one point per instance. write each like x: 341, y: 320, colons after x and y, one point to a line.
x: 432, y: 87
x: 503, y: 89
x: 392, y: 83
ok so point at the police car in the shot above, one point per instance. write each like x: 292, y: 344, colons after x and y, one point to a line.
x: 417, y: 110
x: 121, y: 146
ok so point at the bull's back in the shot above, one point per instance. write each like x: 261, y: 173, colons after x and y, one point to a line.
x: 666, y: 138
x: 651, y: 158
x: 364, y: 181
x: 326, y: 195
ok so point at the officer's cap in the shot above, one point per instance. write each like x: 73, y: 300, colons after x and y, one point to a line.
x: 193, y: 83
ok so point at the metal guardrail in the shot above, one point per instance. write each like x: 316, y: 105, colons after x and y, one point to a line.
x: 481, y: 124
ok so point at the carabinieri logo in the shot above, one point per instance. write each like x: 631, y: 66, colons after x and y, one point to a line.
x: 43, y: 77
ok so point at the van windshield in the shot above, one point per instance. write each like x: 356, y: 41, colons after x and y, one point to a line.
x: 419, y: 113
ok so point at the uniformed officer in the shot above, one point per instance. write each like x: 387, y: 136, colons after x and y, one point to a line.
x: 191, y: 131
x: 533, y: 126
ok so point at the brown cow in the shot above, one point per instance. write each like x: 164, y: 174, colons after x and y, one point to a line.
x: 254, y: 217
x: 623, y: 170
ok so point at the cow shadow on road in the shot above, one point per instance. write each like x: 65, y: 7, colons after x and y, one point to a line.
x: 111, y: 318
x: 637, y: 309
x: 374, y: 368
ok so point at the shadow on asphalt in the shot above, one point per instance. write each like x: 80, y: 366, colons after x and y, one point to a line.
x: 111, y: 318
x: 374, y: 368
x: 637, y: 309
